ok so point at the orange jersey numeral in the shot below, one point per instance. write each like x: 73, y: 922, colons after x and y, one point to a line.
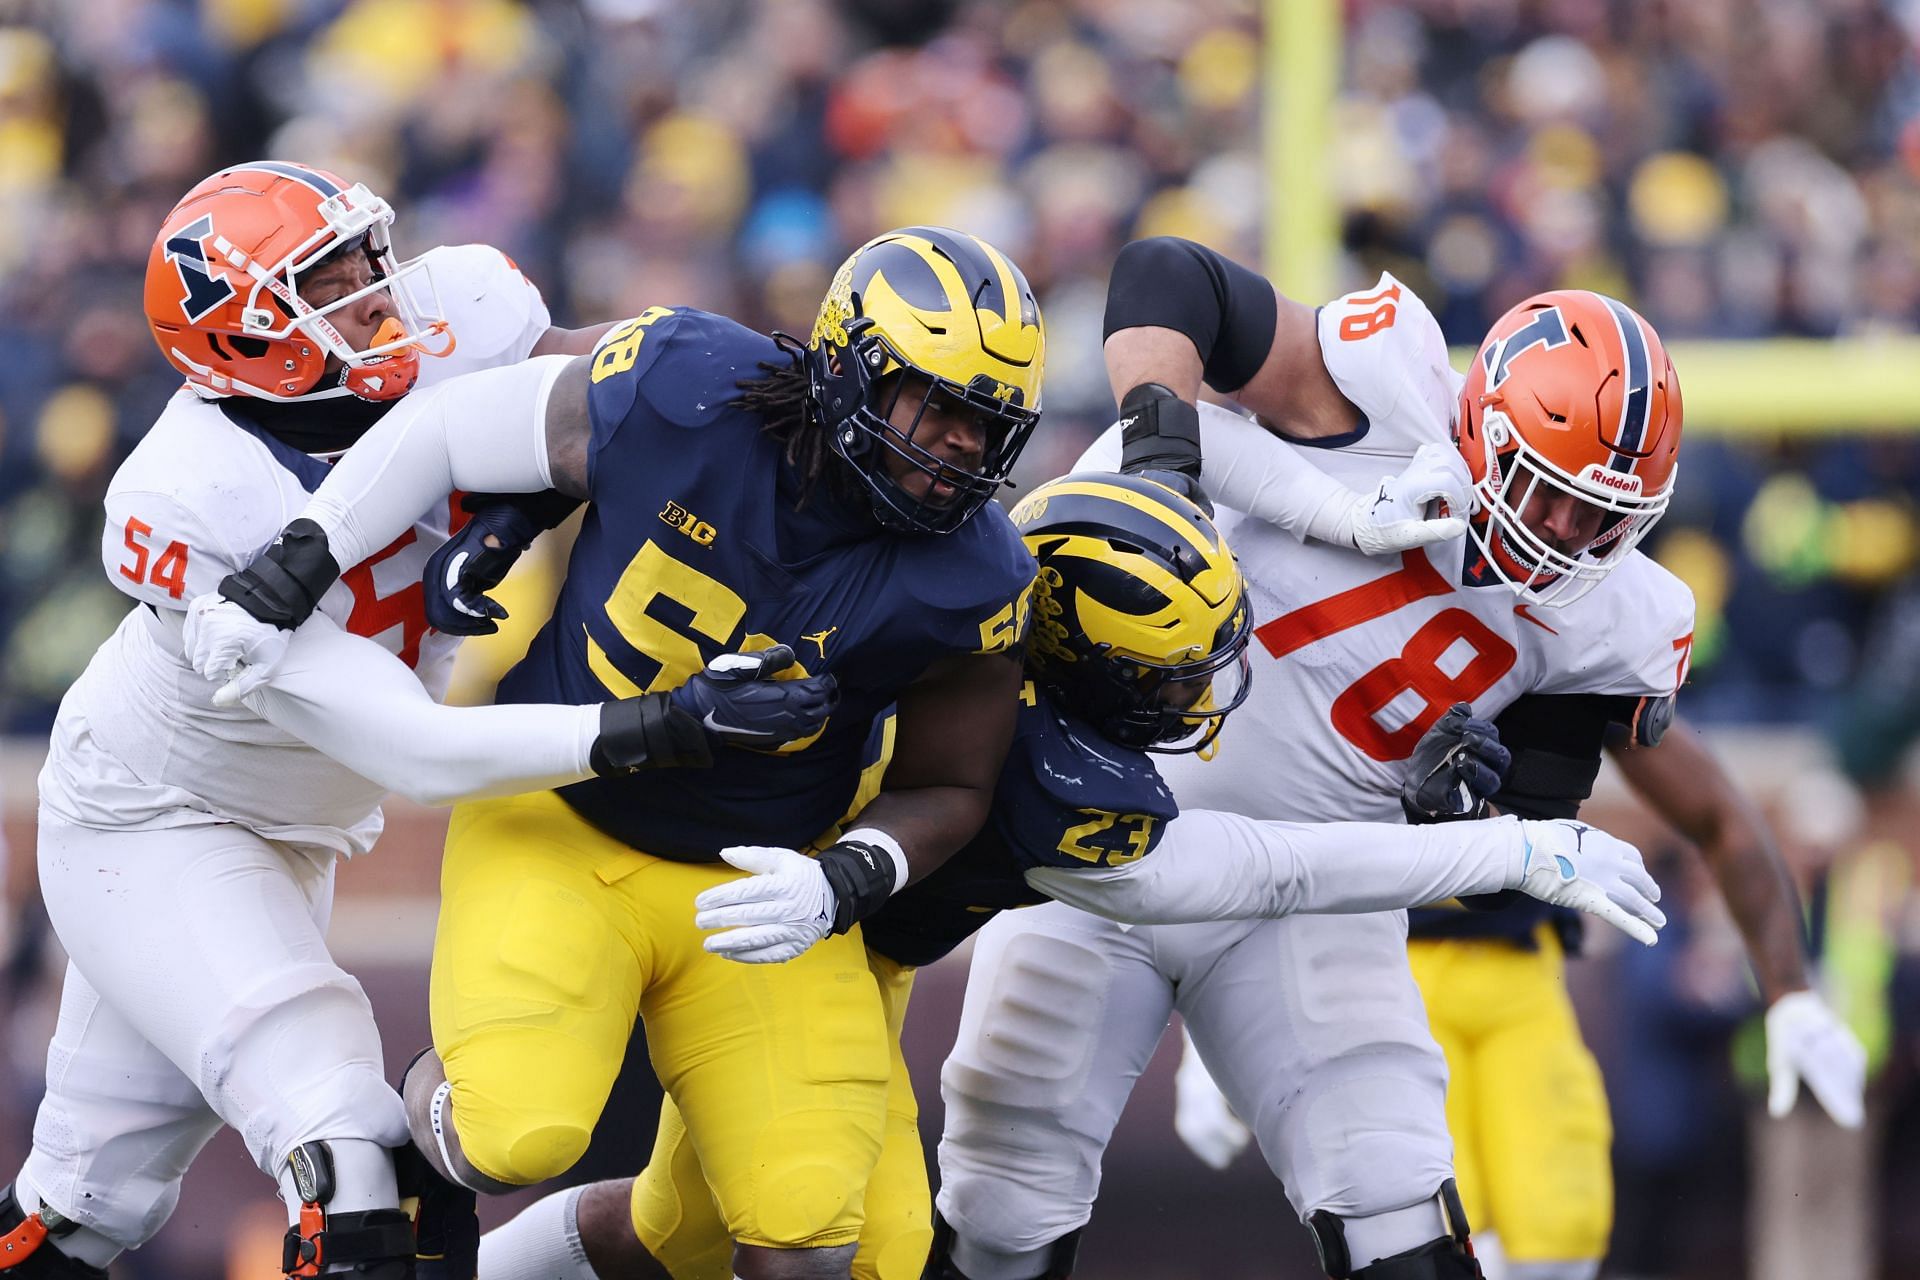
x: 169, y: 570
x: 1417, y: 667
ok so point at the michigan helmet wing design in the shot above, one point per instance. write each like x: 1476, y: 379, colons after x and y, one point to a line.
x: 1139, y: 610
x: 955, y: 312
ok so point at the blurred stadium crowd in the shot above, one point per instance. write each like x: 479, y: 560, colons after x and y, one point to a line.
x: 1733, y: 168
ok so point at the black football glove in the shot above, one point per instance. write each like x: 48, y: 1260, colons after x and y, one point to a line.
x: 1160, y: 440
x: 1454, y: 768
x: 465, y: 568
x: 734, y: 702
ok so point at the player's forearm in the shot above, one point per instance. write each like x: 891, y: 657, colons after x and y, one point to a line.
x: 1765, y: 908
x: 1222, y: 866
x: 1247, y: 468
x: 347, y: 697
x: 930, y: 823
x: 483, y: 432
x: 1152, y: 354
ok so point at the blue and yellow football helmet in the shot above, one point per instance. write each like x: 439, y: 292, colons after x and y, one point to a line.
x: 953, y: 310
x: 1140, y: 613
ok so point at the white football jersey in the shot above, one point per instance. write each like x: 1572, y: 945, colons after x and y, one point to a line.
x: 1354, y: 657
x: 138, y: 742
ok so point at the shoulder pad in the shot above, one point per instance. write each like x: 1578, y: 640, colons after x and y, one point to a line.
x: 974, y: 586
x: 1631, y: 635
x: 1387, y: 355
x: 496, y: 313
x: 685, y: 363
x: 1069, y: 798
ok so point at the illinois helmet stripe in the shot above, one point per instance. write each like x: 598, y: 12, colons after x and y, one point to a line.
x: 299, y: 174
x: 1637, y: 403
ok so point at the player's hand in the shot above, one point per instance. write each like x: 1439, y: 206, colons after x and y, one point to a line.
x: 737, y: 701
x: 471, y: 563
x: 1455, y: 766
x: 773, y: 915
x: 1202, y: 1117
x: 226, y: 643
x: 1806, y: 1041
x: 1571, y: 864
x: 1394, y: 516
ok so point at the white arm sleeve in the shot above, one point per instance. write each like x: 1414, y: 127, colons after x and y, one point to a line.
x: 1221, y: 866
x: 484, y: 432
x: 1248, y: 468
x: 351, y: 699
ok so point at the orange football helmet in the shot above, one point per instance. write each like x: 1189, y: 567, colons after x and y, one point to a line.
x: 1572, y: 391
x: 223, y: 287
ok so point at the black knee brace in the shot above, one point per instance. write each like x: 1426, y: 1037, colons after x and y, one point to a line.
x: 940, y: 1264
x: 373, y: 1243
x: 1450, y: 1257
x: 28, y: 1248
x: 446, y: 1223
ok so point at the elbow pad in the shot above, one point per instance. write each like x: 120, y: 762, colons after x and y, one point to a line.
x: 1228, y: 312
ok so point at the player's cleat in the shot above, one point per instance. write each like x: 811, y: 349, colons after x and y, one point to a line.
x: 27, y: 1245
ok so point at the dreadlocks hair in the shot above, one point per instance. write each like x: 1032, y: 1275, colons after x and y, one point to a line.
x: 782, y: 397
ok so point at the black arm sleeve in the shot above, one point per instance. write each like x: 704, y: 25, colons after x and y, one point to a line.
x: 1556, y: 741
x: 1228, y: 311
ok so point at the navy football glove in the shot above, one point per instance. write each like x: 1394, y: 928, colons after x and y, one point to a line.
x: 739, y: 703
x: 735, y: 701
x: 459, y: 575
x: 1455, y: 767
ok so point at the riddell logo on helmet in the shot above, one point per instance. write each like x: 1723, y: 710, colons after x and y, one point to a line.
x: 1618, y: 481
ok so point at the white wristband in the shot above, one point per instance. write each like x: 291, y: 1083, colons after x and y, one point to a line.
x: 881, y: 840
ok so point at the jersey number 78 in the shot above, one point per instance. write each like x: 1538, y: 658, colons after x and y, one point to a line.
x: 1417, y: 667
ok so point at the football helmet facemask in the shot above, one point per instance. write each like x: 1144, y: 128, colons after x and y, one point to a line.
x: 1572, y: 393
x: 1140, y: 613
x: 942, y: 316
x: 223, y: 288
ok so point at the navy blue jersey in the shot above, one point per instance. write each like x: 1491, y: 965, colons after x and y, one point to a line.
x: 1067, y: 797
x: 692, y: 547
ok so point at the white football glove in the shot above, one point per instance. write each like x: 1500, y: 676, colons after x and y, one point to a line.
x: 224, y: 642
x: 1571, y: 864
x: 1807, y: 1041
x: 1393, y: 517
x: 1202, y: 1117
x: 775, y: 914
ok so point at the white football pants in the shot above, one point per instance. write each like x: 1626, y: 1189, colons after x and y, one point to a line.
x: 1312, y: 1025
x: 199, y: 992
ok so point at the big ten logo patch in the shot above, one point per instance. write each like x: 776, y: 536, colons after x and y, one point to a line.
x: 688, y: 523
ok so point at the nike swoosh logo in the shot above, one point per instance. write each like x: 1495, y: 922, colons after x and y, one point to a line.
x: 717, y: 727
x: 1525, y: 612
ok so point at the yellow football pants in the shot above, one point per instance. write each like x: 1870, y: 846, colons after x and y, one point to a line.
x: 553, y: 937
x: 1525, y: 1104
x: 676, y: 1216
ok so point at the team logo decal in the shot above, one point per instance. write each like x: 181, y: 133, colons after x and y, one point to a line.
x: 187, y: 251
